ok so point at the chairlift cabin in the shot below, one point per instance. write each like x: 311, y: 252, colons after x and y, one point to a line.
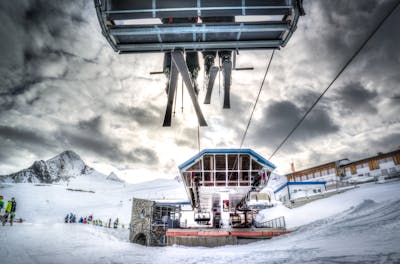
x: 258, y: 24
x: 179, y: 26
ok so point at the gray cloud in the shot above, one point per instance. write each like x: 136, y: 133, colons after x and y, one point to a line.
x: 355, y: 97
x: 58, y: 75
x: 90, y: 136
x: 280, y: 117
x: 145, y: 116
x: 17, y: 140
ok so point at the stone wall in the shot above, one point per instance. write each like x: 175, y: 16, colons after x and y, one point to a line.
x: 141, y: 220
x: 144, y: 229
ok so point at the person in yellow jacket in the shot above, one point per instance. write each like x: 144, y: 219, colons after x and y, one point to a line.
x: 10, y: 211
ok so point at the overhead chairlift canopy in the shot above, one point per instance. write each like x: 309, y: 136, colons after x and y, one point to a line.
x: 122, y: 23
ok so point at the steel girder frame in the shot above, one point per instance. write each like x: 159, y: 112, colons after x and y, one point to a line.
x: 161, y: 38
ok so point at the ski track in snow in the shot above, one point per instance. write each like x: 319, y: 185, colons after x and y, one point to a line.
x: 358, y: 226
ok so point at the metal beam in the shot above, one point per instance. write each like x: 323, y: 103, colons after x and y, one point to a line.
x: 200, y: 29
x: 199, y: 46
x: 199, y: 9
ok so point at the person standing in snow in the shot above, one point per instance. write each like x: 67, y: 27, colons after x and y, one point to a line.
x: 109, y: 223
x: 1, y: 203
x: 10, y: 211
x: 116, y: 223
x: 1, y: 208
x: 66, y: 219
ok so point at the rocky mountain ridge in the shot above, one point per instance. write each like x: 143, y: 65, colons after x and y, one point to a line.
x: 60, y: 168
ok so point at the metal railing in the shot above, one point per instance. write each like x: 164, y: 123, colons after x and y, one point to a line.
x: 277, y: 223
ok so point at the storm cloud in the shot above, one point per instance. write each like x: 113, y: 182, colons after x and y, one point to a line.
x: 63, y: 87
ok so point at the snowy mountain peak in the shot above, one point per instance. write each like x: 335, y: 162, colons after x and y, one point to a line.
x: 114, y: 177
x: 66, y: 155
x: 62, y: 167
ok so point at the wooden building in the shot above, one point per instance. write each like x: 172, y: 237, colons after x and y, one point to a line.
x: 382, y: 164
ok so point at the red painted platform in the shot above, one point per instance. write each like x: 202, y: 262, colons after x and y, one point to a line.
x: 240, y: 233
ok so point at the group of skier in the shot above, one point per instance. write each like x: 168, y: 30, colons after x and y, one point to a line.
x: 9, y: 211
x: 71, y: 218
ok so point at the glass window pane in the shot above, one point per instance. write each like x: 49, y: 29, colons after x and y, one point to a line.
x: 220, y: 176
x: 187, y: 176
x: 207, y: 161
x: 232, y: 178
x: 207, y: 176
x: 220, y: 162
x: 245, y: 176
x: 255, y: 165
x: 195, y: 167
x: 232, y: 162
x: 244, y: 162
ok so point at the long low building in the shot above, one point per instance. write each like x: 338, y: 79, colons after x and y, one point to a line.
x: 382, y: 164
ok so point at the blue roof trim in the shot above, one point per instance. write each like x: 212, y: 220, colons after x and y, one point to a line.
x: 299, y: 183
x: 255, y: 155
x: 171, y: 203
x: 280, y: 188
x: 306, y: 183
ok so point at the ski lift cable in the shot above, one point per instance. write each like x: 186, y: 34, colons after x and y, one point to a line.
x: 258, y: 97
x: 336, y: 77
x: 254, y: 107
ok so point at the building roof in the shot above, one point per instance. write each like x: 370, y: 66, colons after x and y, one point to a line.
x: 299, y: 183
x: 379, y: 155
x: 313, y: 168
x: 252, y: 153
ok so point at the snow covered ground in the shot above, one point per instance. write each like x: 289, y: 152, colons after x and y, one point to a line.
x: 359, y: 226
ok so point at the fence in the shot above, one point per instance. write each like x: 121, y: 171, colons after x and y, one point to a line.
x: 277, y: 223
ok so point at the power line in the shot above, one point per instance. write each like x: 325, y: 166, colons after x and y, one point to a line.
x: 258, y: 96
x: 336, y: 77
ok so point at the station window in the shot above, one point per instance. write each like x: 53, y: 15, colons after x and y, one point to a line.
x: 255, y: 165
x: 233, y: 162
x: 244, y: 179
x: 195, y: 167
x: 232, y: 178
x: 220, y: 162
x: 220, y: 178
x: 244, y: 162
x: 207, y: 176
x: 207, y: 161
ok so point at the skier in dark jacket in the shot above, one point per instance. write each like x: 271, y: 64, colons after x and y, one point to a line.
x: 1, y: 203
x: 10, y: 211
x: 116, y: 223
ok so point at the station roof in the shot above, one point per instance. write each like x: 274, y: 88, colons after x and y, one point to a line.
x: 300, y: 183
x: 250, y: 152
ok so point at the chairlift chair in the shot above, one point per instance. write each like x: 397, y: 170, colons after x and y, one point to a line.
x: 264, y: 24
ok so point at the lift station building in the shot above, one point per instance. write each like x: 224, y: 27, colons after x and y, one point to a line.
x: 218, y: 181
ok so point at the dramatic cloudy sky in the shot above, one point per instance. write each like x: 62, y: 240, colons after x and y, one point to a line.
x: 62, y: 87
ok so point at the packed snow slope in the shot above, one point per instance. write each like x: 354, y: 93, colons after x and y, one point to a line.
x: 358, y: 226
x: 85, y: 195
